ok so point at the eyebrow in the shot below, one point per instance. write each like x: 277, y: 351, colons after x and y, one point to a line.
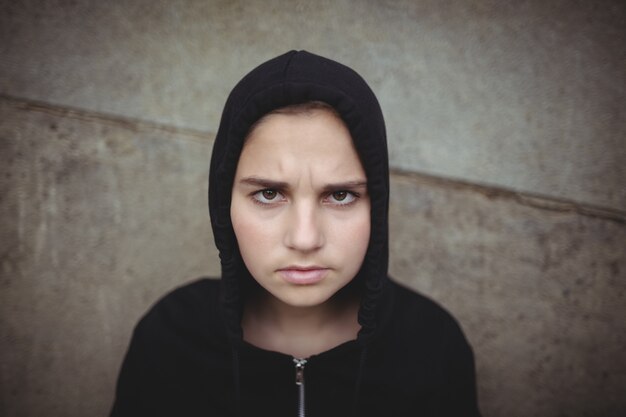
x: 281, y: 185
x: 264, y: 183
x: 348, y: 185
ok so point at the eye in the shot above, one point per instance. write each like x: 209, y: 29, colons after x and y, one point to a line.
x: 267, y: 196
x: 342, y: 197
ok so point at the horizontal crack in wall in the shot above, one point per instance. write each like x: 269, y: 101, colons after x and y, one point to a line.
x: 121, y: 121
x: 524, y: 198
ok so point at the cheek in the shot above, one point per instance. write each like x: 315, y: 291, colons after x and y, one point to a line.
x: 362, y: 237
x: 253, y: 236
x: 353, y: 238
x: 247, y: 233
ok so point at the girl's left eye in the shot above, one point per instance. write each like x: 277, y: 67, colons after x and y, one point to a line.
x: 342, y: 198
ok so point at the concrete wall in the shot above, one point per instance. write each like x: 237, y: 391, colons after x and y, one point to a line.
x: 507, y: 137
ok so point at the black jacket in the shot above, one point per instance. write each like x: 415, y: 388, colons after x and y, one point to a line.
x: 188, y: 357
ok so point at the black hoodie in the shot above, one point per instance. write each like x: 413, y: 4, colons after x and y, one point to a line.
x: 187, y: 356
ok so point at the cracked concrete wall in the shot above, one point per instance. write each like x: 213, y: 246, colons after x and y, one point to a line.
x: 507, y: 138
x: 526, y: 95
x: 99, y: 219
x: 539, y: 289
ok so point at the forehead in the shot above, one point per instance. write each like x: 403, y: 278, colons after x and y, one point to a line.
x: 309, y: 109
x: 296, y: 126
x: 316, y: 138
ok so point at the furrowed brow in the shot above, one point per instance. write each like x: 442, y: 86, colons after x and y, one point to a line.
x: 347, y: 185
x: 264, y: 183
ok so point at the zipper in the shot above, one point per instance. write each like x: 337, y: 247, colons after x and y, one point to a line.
x: 299, y: 363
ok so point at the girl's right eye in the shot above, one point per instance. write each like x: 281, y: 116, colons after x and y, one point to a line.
x: 267, y: 196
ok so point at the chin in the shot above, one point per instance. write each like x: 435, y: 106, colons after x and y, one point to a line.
x: 304, y: 297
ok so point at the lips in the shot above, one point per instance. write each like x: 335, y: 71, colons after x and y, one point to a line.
x: 303, y: 275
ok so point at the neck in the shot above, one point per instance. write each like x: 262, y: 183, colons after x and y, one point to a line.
x: 290, y: 319
x: 300, y: 331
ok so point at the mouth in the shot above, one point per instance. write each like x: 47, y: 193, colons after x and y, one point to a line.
x: 303, y: 275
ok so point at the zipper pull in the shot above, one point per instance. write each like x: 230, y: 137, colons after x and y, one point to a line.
x: 300, y: 383
x: 299, y: 370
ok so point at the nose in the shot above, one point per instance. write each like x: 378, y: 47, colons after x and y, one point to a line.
x: 304, y: 231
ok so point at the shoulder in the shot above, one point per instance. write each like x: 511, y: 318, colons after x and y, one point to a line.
x: 431, y: 359
x: 191, y: 295
x: 187, y: 300
x: 419, y: 318
x: 187, y: 311
x: 415, y: 304
x: 177, y: 356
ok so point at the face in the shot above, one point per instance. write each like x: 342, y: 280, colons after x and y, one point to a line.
x: 300, y: 207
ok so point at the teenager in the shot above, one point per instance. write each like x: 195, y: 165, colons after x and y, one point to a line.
x: 304, y: 320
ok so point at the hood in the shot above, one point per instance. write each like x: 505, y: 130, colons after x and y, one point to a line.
x: 292, y: 78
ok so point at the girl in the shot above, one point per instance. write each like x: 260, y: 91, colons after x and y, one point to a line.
x: 304, y: 320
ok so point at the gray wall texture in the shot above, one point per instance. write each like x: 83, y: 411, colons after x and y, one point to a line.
x: 507, y: 136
